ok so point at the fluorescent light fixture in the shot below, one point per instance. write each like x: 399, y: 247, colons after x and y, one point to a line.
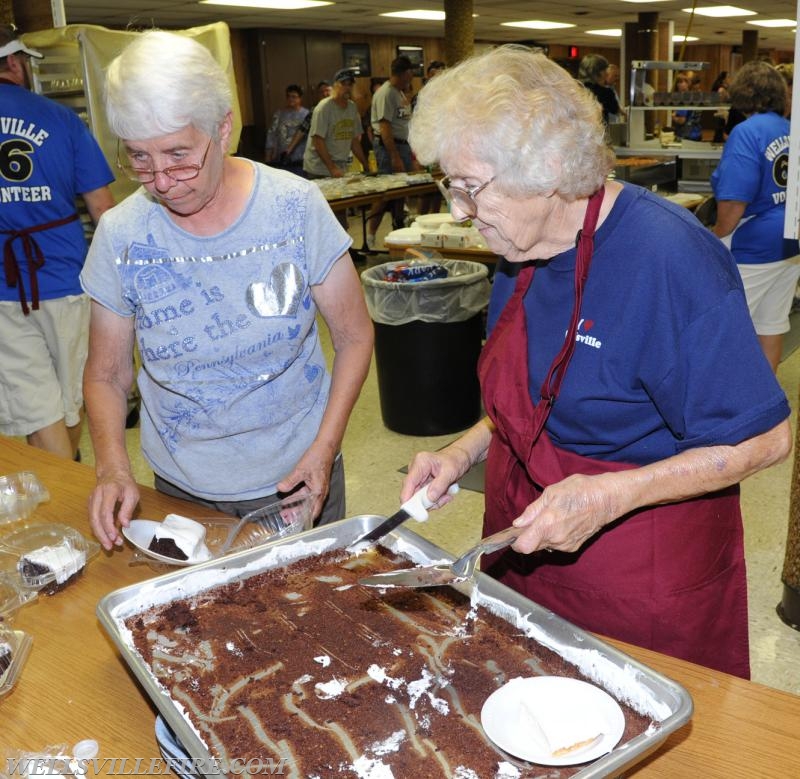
x: 537, y: 25
x: 720, y: 11
x: 775, y: 23
x: 613, y: 33
x: 427, y: 16
x: 682, y: 38
x: 642, y: 1
x: 272, y: 5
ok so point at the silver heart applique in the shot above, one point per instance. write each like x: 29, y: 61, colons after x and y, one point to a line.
x: 278, y: 297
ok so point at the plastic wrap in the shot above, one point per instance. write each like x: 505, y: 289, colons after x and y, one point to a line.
x: 20, y: 494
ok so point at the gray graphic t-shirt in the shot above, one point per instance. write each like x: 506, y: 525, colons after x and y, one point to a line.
x: 233, y: 378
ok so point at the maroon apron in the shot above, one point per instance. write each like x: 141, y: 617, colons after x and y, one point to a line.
x: 669, y: 578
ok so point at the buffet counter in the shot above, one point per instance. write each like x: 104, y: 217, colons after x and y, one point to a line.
x: 76, y: 686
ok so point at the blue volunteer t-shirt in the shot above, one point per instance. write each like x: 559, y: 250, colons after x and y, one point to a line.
x: 666, y: 356
x: 48, y: 157
x: 754, y: 170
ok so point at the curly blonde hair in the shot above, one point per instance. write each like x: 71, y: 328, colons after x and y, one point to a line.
x: 539, y: 129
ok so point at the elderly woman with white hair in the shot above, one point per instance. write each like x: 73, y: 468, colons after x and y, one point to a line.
x: 625, y: 391
x: 217, y: 268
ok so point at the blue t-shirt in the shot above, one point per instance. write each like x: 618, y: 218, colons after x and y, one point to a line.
x: 234, y: 382
x: 666, y: 356
x: 692, y: 128
x: 754, y: 170
x: 49, y: 156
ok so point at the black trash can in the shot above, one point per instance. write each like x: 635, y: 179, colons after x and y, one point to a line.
x: 428, y: 337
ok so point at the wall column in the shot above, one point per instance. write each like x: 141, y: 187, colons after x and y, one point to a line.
x: 749, y: 45
x: 459, y: 30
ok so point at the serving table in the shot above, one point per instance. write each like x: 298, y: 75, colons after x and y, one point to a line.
x: 75, y: 685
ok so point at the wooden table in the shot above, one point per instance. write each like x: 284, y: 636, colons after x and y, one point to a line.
x: 76, y: 686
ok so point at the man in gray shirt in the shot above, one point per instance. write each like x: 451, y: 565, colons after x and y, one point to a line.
x: 391, y: 111
x: 335, y: 132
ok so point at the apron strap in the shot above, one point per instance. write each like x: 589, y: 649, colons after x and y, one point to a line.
x: 585, y: 240
x: 33, y: 256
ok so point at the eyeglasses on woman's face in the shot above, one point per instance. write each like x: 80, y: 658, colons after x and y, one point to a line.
x: 137, y: 171
x: 463, y: 198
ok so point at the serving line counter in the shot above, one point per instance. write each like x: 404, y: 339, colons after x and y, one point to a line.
x: 76, y: 686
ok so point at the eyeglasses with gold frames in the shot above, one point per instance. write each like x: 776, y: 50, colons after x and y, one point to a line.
x: 183, y: 172
x: 462, y: 197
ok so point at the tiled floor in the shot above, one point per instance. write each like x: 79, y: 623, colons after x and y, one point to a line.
x: 373, y: 456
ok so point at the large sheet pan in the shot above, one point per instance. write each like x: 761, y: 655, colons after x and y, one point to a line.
x: 628, y: 680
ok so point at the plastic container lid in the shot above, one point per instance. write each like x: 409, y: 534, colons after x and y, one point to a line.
x: 14, y: 648
x: 57, y: 553
x: 20, y: 494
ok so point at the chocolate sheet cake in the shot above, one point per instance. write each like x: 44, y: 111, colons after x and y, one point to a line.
x: 302, y: 663
x: 55, y: 565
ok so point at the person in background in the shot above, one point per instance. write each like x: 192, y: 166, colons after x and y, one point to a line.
x: 612, y: 82
x: 686, y: 122
x: 323, y: 90
x: 335, y: 132
x: 749, y: 185
x: 217, y: 267
x: 391, y: 111
x: 367, y: 136
x: 48, y: 158
x: 625, y: 389
x: 285, y: 123
x: 720, y: 88
x: 593, y: 74
x: 786, y: 69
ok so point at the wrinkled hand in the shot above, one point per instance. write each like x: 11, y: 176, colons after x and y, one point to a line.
x: 441, y: 469
x: 112, y: 501
x: 569, y: 512
x: 313, y: 469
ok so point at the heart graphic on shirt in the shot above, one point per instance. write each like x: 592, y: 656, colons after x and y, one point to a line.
x: 280, y: 296
x: 588, y: 324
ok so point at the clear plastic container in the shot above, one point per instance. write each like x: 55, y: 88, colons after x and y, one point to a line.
x: 20, y: 494
x: 47, y: 556
x: 277, y: 519
x: 14, y: 648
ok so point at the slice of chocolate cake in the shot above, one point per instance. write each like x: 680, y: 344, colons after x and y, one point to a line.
x: 6, y: 656
x: 180, y: 538
x: 167, y: 548
x: 51, y: 567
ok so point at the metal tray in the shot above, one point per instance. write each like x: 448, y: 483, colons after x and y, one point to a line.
x: 625, y: 678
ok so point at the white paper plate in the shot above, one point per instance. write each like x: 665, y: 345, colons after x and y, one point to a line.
x: 502, y: 717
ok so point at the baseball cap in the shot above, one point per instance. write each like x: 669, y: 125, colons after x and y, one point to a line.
x: 18, y: 46
x: 346, y: 74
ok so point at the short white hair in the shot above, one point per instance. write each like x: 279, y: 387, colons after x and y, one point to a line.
x: 162, y: 83
x: 539, y: 129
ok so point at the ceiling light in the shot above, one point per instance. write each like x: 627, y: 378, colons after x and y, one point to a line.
x: 273, y: 5
x: 642, y: 1
x: 722, y: 11
x: 428, y: 16
x: 682, y: 38
x: 775, y: 23
x: 608, y: 33
x: 537, y: 25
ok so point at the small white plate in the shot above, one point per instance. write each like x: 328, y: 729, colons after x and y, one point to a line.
x: 140, y: 533
x: 502, y: 720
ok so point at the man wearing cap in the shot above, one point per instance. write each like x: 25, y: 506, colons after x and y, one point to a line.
x: 391, y: 112
x: 335, y: 131
x: 47, y: 158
